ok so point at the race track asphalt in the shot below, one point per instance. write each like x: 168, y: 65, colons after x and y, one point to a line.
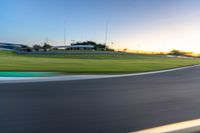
x: 111, y: 105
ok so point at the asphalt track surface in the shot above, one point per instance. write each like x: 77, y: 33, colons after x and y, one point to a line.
x: 111, y: 105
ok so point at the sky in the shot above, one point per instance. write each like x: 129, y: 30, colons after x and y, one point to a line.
x: 148, y: 25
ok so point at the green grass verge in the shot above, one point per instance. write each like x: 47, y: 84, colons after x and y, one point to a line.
x: 89, y: 63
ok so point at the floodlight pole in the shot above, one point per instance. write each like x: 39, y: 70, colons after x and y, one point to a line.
x: 47, y: 40
x: 64, y: 32
x: 106, y: 35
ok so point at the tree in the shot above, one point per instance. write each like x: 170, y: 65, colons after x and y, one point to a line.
x: 29, y: 49
x: 37, y: 47
x: 177, y: 52
x: 46, y: 47
x: 124, y: 50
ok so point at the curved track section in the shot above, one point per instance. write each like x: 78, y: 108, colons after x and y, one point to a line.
x: 121, y: 104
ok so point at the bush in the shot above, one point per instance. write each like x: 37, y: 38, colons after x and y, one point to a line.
x: 177, y: 52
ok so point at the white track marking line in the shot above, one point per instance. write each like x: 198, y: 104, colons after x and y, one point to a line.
x: 81, y: 77
x: 172, y: 127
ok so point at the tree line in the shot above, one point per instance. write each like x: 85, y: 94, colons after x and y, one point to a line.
x: 180, y: 53
x: 97, y: 46
x: 44, y: 47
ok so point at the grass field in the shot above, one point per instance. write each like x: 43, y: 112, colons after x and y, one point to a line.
x: 90, y: 63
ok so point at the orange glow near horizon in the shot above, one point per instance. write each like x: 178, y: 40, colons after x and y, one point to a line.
x: 183, y: 36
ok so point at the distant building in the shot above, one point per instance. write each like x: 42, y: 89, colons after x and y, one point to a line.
x: 13, y: 47
x: 80, y: 47
x: 75, y: 47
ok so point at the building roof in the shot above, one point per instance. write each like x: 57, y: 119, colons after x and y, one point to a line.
x: 11, y: 46
x: 81, y: 46
x: 75, y: 46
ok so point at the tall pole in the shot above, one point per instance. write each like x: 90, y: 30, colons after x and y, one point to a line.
x: 47, y: 40
x: 106, y: 35
x: 64, y: 32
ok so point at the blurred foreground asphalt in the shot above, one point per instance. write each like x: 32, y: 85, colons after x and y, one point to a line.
x: 117, y: 105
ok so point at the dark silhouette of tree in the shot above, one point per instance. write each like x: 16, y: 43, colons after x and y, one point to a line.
x: 46, y: 47
x: 124, y: 50
x: 37, y: 47
x: 29, y: 49
x: 177, y: 52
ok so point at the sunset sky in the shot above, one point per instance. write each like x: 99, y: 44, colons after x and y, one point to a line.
x: 150, y: 25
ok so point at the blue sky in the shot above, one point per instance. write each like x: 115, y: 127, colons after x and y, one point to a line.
x: 152, y: 25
